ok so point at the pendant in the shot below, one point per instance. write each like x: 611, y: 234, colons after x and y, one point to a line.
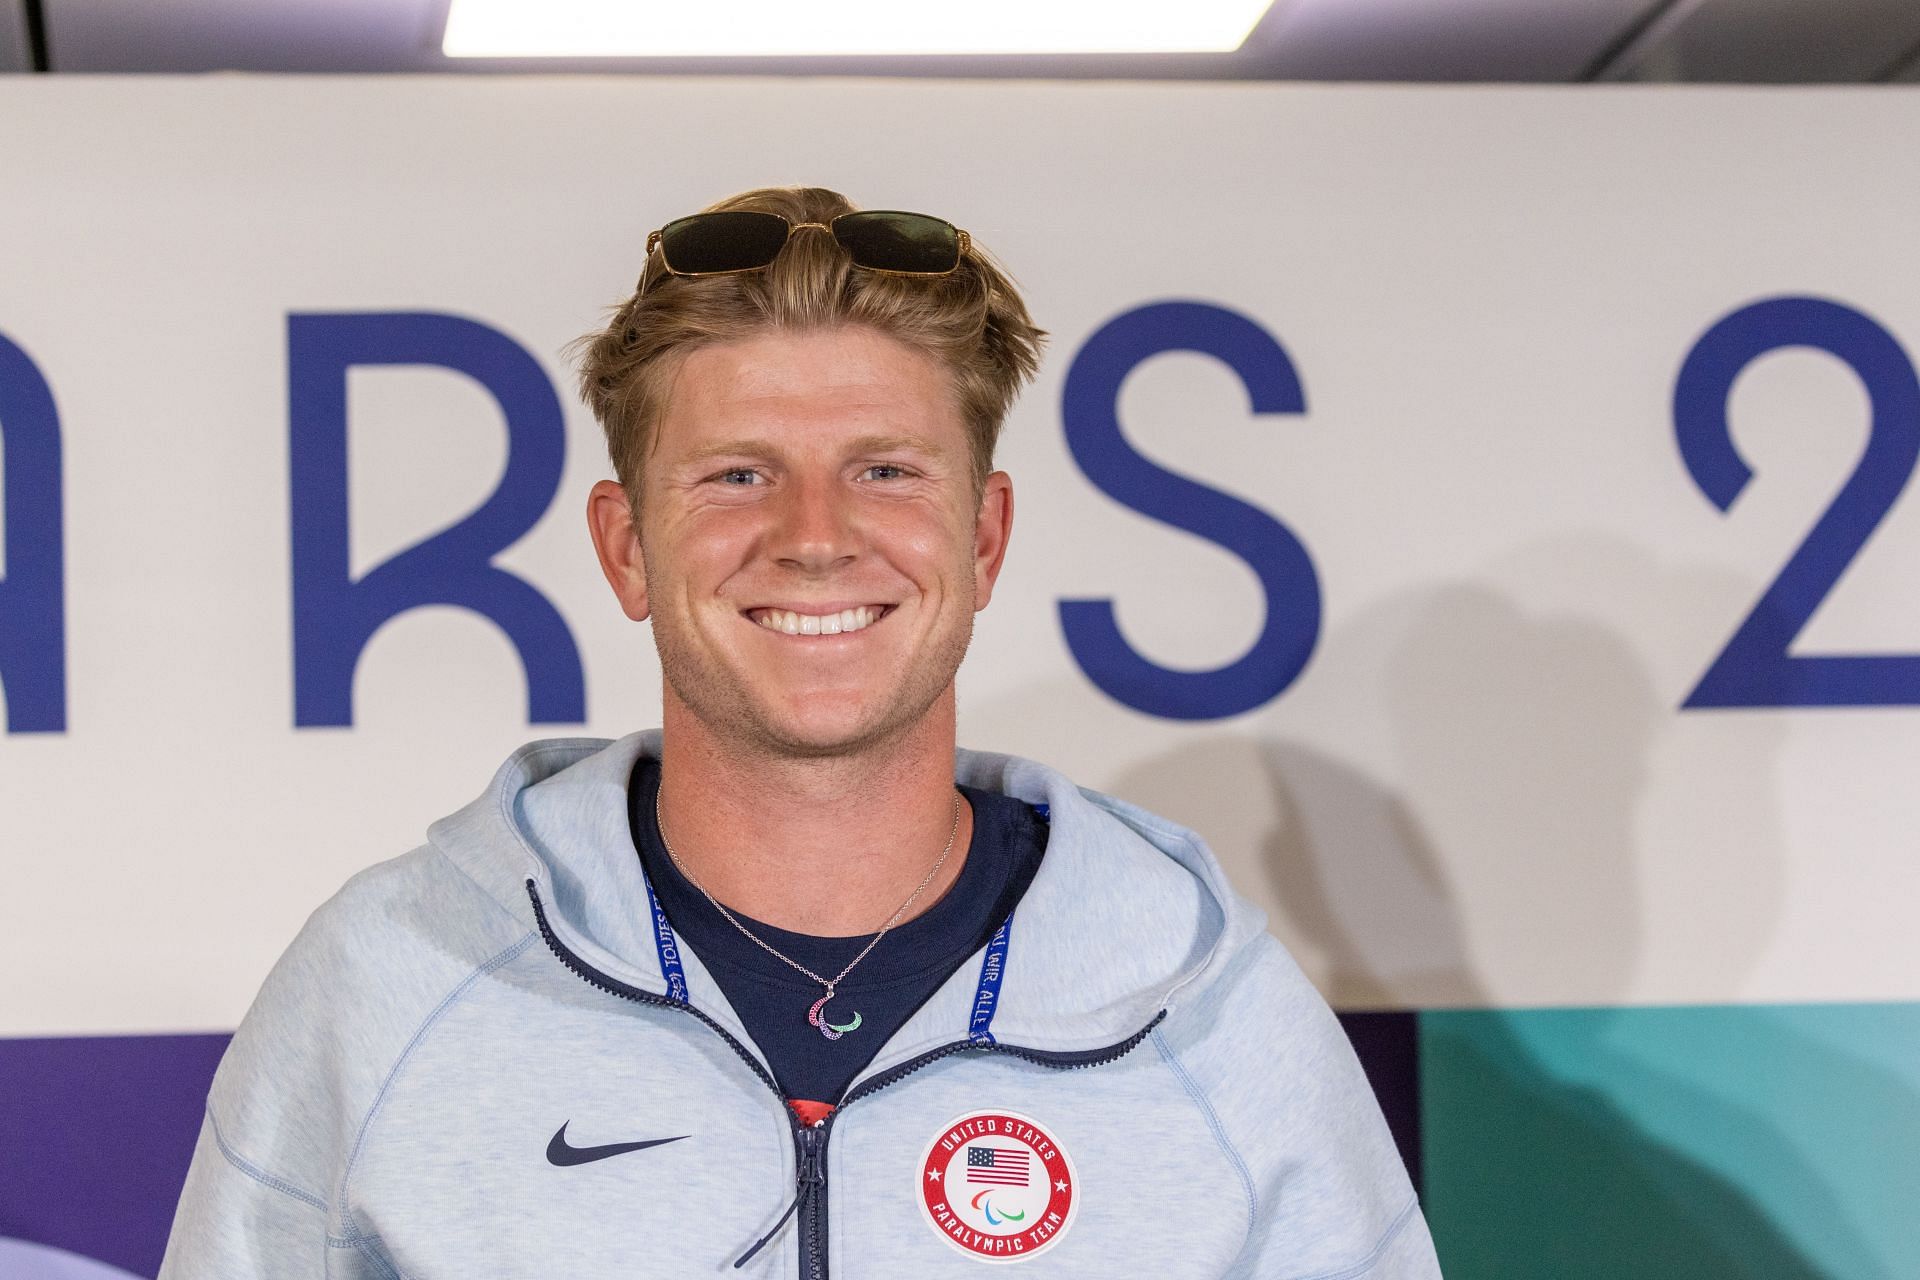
x: 830, y: 1030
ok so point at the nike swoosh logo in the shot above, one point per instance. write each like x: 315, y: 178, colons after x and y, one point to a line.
x: 558, y: 1152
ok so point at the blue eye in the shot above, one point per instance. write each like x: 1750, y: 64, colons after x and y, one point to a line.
x: 895, y: 471
x: 738, y: 476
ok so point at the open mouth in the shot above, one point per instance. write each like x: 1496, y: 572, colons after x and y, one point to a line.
x: 839, y: 623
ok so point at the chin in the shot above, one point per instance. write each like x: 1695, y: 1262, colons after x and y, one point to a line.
x: 830, y: 731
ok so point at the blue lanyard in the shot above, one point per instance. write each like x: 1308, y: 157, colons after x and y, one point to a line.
x: 669, y: 947
x: 986, y: 996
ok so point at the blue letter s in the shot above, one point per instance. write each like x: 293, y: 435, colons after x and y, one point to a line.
x: 1090, y: 410
x: 33, y: 642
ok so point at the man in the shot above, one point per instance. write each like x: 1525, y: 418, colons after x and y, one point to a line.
x: 791, y: 980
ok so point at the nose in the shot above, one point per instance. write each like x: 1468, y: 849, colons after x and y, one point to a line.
x: 816, y: 530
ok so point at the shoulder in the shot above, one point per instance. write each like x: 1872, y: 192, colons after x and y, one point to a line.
x: 369, y: 970
x: 387, y: 939
x: 1260, y: 1017
x: 1266, y: 1059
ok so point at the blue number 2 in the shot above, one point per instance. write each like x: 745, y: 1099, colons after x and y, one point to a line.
x: 1754, y: 669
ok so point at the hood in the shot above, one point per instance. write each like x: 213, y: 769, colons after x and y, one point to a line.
x: 1127, y: 915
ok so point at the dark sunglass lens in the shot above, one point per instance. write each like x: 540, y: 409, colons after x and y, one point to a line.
x: 733, y: 241
x: 892, y: 241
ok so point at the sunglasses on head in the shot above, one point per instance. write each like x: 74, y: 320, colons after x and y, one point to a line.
x: 889, y: 241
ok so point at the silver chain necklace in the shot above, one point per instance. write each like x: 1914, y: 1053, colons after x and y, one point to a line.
x: 815, y: 1018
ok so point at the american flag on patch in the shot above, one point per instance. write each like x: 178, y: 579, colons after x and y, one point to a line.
x: 997, y: 1166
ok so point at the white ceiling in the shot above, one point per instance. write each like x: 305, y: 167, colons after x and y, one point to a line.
x: 1544, y: 41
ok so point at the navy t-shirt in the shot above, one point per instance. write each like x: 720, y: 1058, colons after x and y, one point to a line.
x: 896, y: 978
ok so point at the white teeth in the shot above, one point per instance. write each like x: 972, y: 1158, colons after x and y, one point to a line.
x: 790, y: 623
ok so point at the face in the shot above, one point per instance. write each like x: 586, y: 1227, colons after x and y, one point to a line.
x: 810, y: 546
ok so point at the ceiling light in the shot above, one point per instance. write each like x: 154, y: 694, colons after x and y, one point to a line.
x: 841, y: 28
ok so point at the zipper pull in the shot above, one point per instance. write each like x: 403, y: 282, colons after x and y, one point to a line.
x: 813, y: 1156
x: 810, y: 1173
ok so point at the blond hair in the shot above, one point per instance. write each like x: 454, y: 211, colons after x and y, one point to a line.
x: 972, y: 321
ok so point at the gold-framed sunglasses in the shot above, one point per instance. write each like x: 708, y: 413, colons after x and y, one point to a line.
x: 890, y: 241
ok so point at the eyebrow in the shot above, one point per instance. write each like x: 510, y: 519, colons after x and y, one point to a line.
x: 730, y: 449
x: 891, y: 444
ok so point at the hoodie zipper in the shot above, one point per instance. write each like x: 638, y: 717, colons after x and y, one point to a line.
x: 810, y: 1140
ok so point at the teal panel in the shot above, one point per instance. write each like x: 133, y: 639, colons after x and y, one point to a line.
x: 1705, y: 1142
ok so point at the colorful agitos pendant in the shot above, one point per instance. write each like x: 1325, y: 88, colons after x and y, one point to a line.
x: 831, y: 1031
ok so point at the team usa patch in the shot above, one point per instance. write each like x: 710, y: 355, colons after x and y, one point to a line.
x: 997, y: 1187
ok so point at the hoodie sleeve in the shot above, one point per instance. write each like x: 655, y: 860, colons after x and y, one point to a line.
x: 293, y: 1099
x: 237, y: 1221
x: 1269, y: 1065
x: 256, y: 1199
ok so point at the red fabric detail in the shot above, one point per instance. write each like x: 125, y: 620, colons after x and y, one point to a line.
x: 810, y: 1112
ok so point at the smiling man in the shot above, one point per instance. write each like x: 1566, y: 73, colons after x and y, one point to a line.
x: 791, y: 980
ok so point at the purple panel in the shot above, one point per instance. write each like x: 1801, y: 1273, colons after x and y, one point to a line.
x: 98, y: 1132
x: 1388, y: 1046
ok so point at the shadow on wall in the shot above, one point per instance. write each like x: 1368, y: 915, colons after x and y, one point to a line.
x: 1526, y: 748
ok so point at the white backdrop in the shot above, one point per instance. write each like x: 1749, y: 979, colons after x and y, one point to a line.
x: 1481, y: 790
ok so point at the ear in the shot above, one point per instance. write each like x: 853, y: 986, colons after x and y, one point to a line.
x: 992, y: 526
x: 610, y: 521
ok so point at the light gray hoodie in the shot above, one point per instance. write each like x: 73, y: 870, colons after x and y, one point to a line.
x: 465, y: 1065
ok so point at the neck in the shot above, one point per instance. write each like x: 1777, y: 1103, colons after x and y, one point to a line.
x: 826, y: 845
